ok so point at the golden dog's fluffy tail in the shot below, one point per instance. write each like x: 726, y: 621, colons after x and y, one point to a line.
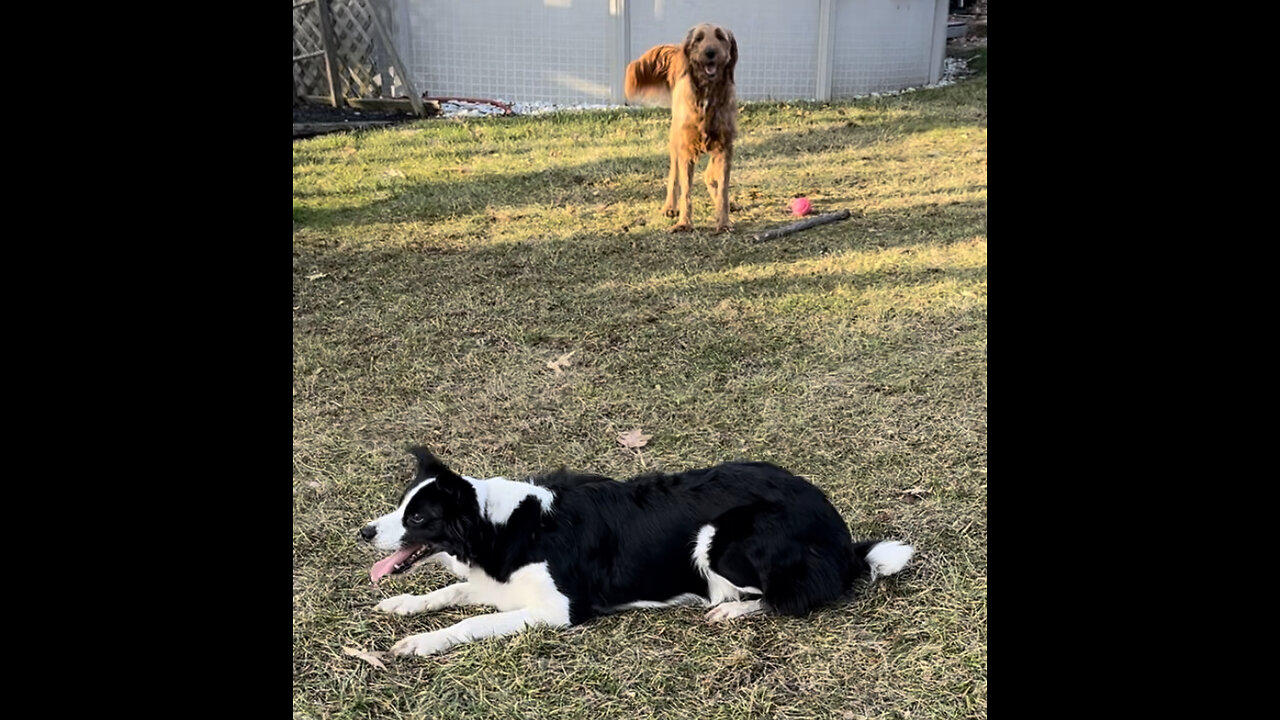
x: 650, y: 77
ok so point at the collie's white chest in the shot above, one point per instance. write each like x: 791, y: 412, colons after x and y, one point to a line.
x: 529, y: 587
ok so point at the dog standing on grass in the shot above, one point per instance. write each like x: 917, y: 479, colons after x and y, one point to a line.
x: 697, y: 77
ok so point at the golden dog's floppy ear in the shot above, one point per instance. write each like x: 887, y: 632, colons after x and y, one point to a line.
x: 686, y: 47
x: 733, y: 56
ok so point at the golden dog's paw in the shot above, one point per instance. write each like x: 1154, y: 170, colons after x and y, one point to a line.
x: 681, y: 227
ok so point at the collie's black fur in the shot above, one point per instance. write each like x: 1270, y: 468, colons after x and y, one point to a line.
x: 607, y: 544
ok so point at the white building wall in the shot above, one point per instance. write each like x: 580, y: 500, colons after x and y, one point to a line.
x: 884, y: 45
x: 575, y: 51
x: 518, y: 50
x: 777, y: 41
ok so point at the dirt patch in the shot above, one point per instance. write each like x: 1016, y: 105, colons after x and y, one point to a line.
x: 310, y: 120
x: 329, y: 114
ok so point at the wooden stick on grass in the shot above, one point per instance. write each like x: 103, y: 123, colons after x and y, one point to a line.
x: 802, y: 225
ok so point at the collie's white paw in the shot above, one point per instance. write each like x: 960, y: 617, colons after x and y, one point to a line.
x: 403, y: 604
x: 424, y: 644
x: 726, y: 611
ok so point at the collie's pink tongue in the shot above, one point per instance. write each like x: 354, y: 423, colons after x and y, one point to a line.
x: 385, y: 565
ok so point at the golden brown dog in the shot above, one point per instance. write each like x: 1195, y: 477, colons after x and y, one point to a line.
x: 698, y: 74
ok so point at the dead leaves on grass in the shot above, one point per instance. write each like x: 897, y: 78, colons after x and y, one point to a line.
x: 913, y: 495
x: 633, y: 439
x: 562, y: 362
x: 373, y: 658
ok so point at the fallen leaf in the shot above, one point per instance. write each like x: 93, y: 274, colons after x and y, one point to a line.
x: 633, y: 439
x: 373, y: 658
x: 562, y: 362
x: 317, y: 276
x: 914, y: 494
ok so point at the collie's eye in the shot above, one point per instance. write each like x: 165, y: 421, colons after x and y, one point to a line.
x: 416, y: 519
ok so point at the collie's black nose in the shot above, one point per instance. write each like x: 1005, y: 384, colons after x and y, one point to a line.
x: 368, y: 531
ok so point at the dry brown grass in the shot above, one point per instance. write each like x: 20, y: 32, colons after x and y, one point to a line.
x: 439, y: 268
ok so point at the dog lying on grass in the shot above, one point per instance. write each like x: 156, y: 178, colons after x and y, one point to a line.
x: 562, y: 548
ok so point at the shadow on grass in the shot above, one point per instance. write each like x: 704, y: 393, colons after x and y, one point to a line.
x: 839, y: 137
x: 620, y: 274
x: 468, y: 195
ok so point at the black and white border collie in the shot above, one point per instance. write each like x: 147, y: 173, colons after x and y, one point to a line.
x: 562, y: 548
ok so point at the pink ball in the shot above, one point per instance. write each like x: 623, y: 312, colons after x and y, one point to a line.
x: 800, y: 206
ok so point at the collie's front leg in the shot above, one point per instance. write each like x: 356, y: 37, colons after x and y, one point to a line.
x: 456, y: 594
x: 472, y: 629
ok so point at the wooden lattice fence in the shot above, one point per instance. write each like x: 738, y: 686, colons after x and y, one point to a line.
x: 362, y: 61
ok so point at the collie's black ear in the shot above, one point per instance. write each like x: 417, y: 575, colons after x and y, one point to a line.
x: 454, y: 486
x: 449, y: 482
x: 428, y: 465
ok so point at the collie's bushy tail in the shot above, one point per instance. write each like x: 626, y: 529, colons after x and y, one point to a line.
x: 878, y: 558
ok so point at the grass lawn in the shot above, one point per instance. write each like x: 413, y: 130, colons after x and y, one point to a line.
x: 438, y: 269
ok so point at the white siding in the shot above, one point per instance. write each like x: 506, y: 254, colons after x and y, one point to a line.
x: 574, y: 51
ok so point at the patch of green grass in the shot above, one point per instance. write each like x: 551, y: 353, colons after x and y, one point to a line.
x: 976, y: 59
x: 439, y: 267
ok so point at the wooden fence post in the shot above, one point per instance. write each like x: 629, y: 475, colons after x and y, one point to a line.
x: 330, y: 52
x: 414, y: 98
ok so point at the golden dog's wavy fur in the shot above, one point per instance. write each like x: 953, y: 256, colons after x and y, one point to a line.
x: 697, y: 76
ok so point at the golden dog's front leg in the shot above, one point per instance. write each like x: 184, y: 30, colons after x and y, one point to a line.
x: 669, y: 207
x: 718, y: 186
x: 684, y: 196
